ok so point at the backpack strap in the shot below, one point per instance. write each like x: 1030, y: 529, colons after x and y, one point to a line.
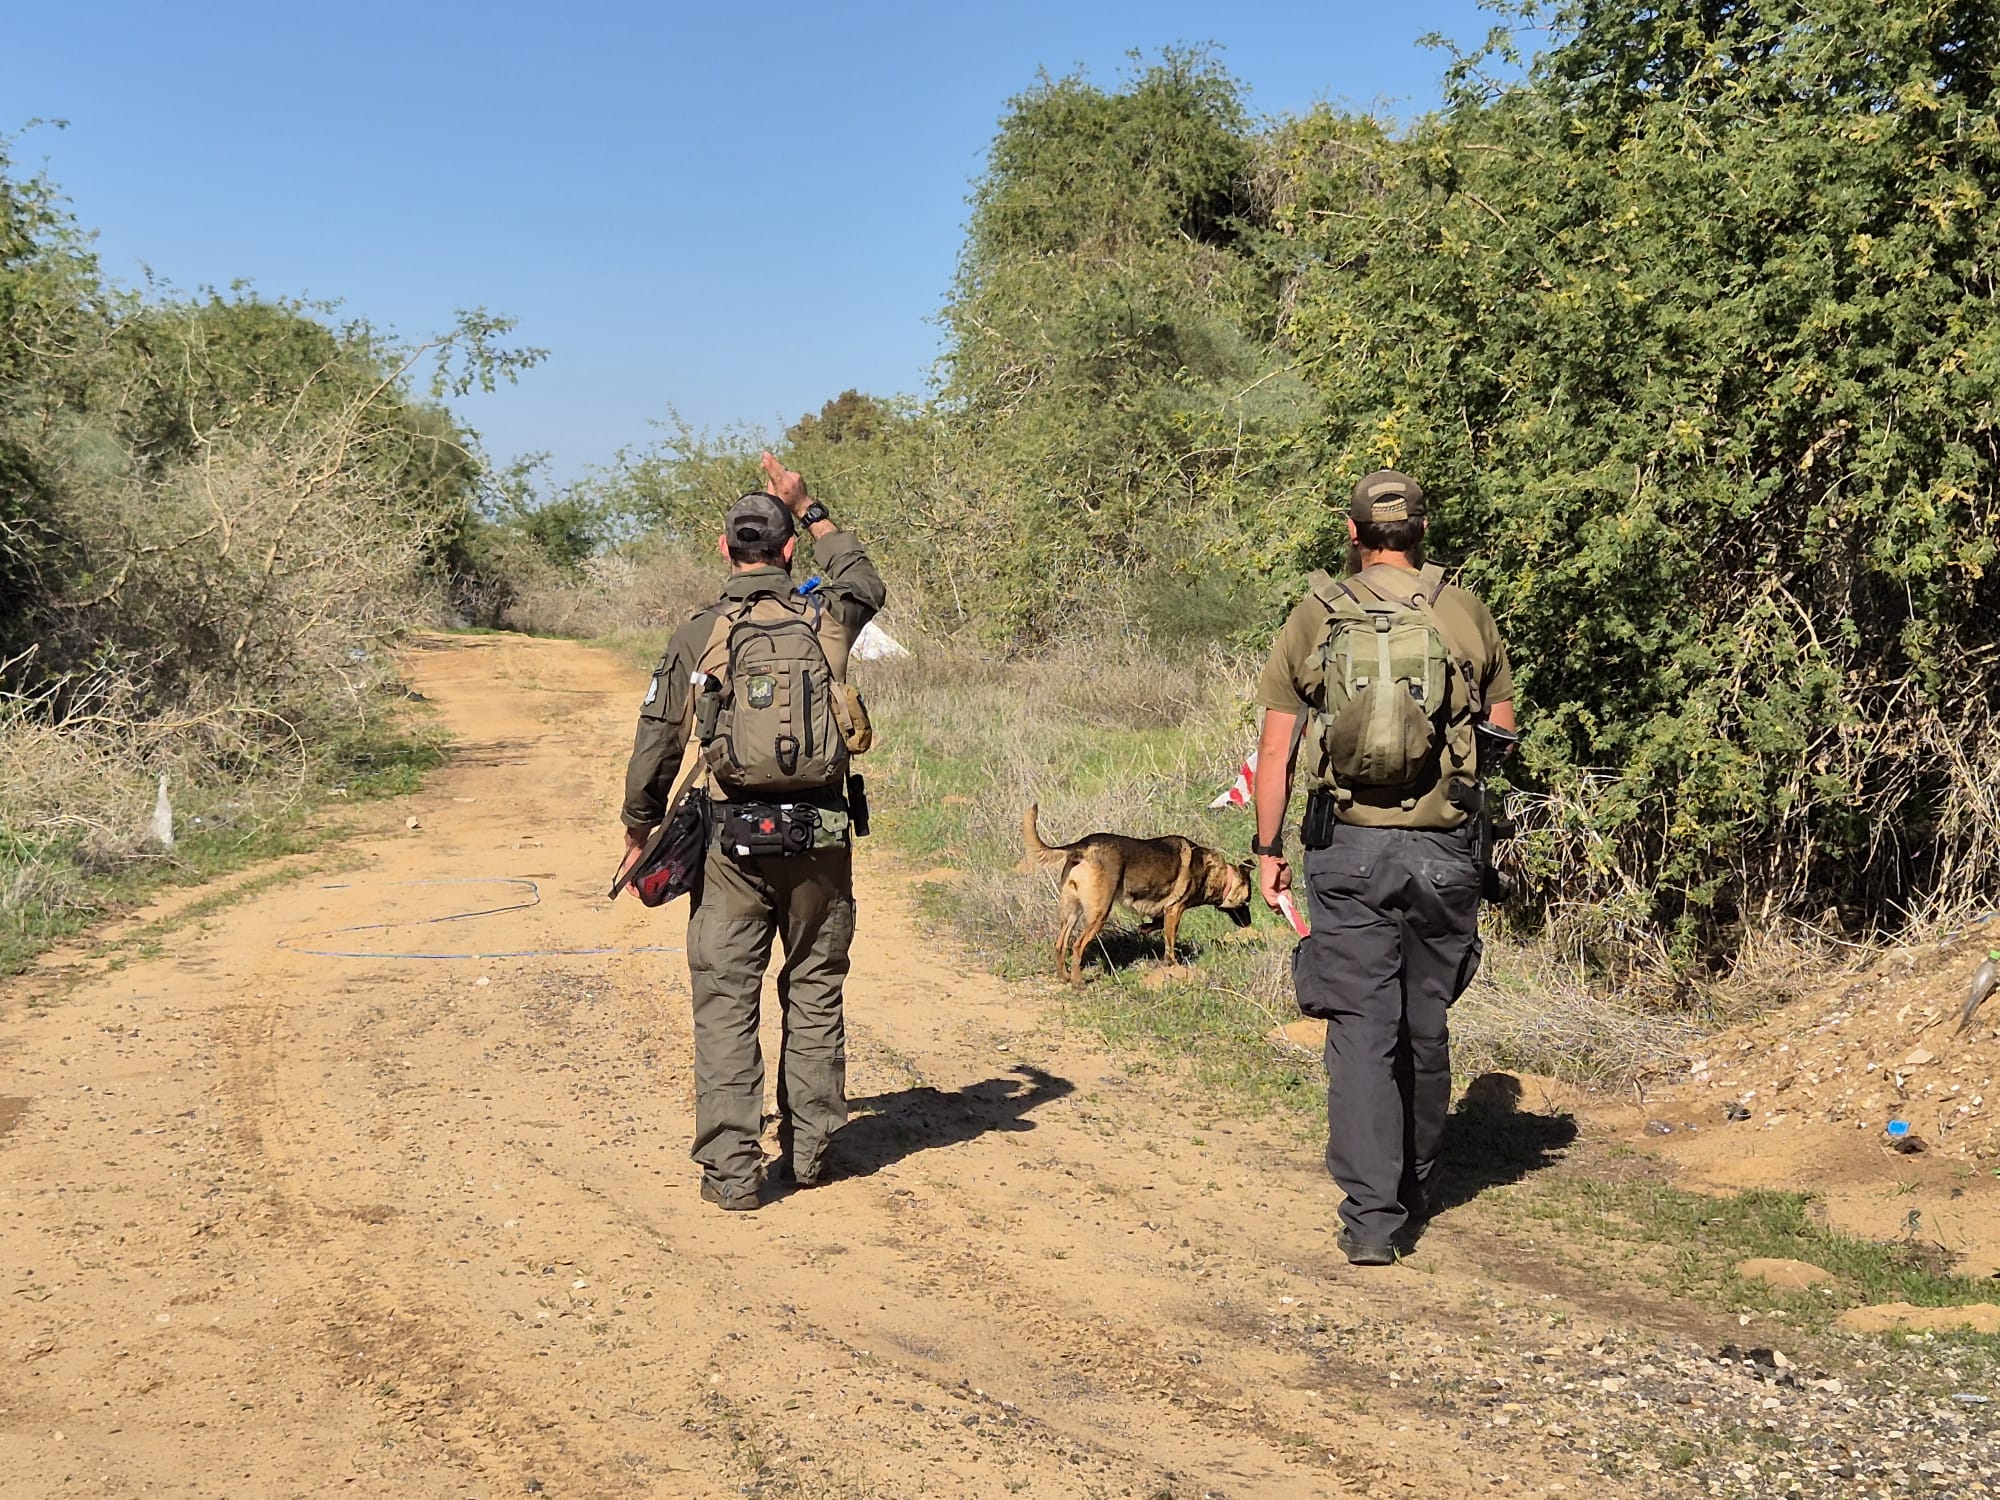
x: 1346, y: 587
x: 723, y: 614
x: 691, y: 766
x: 1324, y: 587
x: 834, y: 642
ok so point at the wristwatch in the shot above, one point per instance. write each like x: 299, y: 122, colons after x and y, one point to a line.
x: 1273, y: 850
x: 814, y: 513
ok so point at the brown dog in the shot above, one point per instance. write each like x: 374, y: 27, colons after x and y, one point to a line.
x: 1157, y: 878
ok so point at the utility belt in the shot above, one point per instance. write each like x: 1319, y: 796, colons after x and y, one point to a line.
x: 750, y: 830
x: 1322, y: 816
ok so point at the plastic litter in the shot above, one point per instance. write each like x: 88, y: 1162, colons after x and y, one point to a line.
x: 876, y: 644
x: 160, y: 828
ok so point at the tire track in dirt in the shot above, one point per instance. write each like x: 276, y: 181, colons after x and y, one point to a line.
x: 375, y: 1338
x: 284, y: 1225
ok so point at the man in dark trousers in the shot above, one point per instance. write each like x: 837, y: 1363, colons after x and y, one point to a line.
x: 1374, y: 687
x: 805, y: 899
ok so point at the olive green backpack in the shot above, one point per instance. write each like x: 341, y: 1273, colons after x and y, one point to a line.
x: 782, y: 719
x: 1390, y: 717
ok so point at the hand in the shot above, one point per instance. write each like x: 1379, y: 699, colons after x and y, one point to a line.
x: 1274, y: 877
x: 786, y: 485
x: 635, y: 843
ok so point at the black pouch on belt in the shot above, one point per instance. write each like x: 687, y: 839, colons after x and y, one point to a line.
x: 750, y: 829
x: 1316, y: 828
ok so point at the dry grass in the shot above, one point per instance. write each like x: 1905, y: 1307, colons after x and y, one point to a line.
x: 1124, y: 739
x: 227, y: 635
x: 640, y: 590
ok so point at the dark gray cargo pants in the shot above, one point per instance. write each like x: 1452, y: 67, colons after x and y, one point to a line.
x: 806, y: 901
x: 1395, y: 940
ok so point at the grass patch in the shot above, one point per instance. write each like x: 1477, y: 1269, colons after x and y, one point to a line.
x: 1099, y: 743
x: 641, y: 648
x: 55, y: 886
x: 1704, y: 1238
x: 1115, y: 739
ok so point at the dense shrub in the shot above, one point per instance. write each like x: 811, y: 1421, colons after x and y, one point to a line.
x: 1688, y: 325
x: 212, y: 513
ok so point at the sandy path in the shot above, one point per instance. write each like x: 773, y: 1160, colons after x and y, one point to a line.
x: 281, y: 1224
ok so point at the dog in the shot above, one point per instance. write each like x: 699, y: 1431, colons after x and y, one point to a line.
x: 1158, y: 878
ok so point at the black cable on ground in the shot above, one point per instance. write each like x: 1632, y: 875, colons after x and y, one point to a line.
x: 534, y: 898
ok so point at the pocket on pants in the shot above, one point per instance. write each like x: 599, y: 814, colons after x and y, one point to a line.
x: 1454, y: 879
x: 1311, y: 989
x: 1340, y: 872
x: 1468, y: 967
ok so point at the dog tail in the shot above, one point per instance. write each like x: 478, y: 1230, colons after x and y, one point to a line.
x: 1038, y: 853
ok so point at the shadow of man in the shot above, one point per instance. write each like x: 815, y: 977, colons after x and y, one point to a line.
x: 890, y: 1127
x: 1490, y: 1141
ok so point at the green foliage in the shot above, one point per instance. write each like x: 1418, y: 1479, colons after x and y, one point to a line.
x: 1693, y: 336
x: 1689, y: 329
x: 1106, y: 329
x: 520, y: 536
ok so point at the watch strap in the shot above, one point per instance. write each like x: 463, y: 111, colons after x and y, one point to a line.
x: 1275, y: 849
x: 814, y: 513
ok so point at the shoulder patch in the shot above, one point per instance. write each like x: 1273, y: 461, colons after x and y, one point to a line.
x: 652, y: 691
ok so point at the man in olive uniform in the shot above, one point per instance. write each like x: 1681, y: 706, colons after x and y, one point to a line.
x: 1393, y: 887
x: 805, y: 900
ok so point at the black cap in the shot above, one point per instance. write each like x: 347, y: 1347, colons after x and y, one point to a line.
x: 758, y: 520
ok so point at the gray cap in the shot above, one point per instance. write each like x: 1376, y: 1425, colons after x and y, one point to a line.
x: 1388, y: 495
x: 758, y: 520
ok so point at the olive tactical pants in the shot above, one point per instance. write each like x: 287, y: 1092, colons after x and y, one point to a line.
x: 806, y: 901
x: 1394, y: 941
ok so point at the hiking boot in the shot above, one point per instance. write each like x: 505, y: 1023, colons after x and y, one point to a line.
x: 738, y: 1202
x: 782, y: 1171
x: 1361, y: 1253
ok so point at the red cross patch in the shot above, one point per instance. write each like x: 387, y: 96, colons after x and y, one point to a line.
x: 767, y: 826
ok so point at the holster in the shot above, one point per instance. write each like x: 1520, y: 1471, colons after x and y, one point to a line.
x: 1316, y: 828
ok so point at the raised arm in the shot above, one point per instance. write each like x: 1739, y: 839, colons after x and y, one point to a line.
x: 853, y: 588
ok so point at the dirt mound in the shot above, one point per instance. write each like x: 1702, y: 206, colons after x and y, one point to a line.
x: 1879, y: 1046
x: 1802, y: 1099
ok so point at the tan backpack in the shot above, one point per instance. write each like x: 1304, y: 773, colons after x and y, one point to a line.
x: 774, y: 712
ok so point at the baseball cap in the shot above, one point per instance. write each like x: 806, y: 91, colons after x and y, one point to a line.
x: 758, y: 520
x: 1388, y: 495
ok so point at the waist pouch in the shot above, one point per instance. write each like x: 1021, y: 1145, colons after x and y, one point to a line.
x: 670, y: 864
x: 748, y: 830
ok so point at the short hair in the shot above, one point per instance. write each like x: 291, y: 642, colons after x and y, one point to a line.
x: 748, y: 553
x: 1390, y: 536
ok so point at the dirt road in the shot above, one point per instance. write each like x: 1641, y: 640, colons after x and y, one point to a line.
x: 275, y: 1222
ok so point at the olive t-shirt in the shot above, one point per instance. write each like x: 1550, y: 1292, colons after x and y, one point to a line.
x: 1291, y: 681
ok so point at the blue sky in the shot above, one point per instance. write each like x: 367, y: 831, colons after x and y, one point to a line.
x: 732, y: 211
